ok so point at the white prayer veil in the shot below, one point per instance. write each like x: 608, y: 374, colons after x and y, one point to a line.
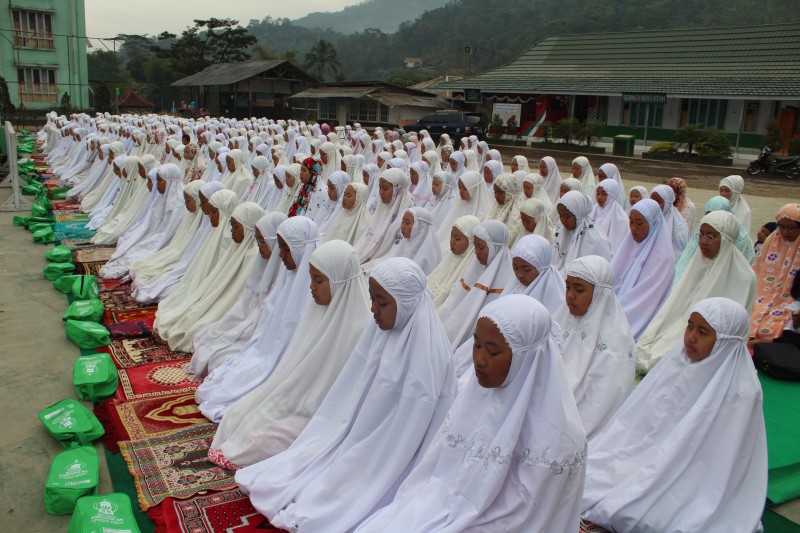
x: 384, y: 228
x: 585, y: 239
x: 480, y: 284
x: 374, y: 424
x: 226, y: 337
x: 676, y: 225
x: 540, y: 213
x: 687, y: 450
x: 643, y: 270
x: 350, y: 224
x: 508, y: 212
x: 267, y: 420
x: 282, y: 312
x: 477, y: 205
x: 598, y: 347
x: 586, y: 178
x: 492, y: 466
x: 422, y: 246
x: 612, y: 173
x: 727, y: 275
x: 740, y: 207
x: 552, y: 180
x: 241, y: 178
x: 611, y: 218
x: 452, y: 267
x: 548, y: 287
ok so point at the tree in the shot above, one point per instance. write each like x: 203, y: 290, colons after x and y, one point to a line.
x: 322, y: 60
x: 592, y: 129
x: 65, y: 108
x: 102, y: 99
x: 207, y: 42
x: 688, y: 135
x: 6, y: 107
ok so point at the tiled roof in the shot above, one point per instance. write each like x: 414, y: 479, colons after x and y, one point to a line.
x: 134, y: 100
x: 742, y: 61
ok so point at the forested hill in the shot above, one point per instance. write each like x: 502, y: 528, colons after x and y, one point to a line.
x: 499, y: 30
x: 384, y: 15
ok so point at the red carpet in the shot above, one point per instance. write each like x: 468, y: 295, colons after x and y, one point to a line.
x: 155, y: 380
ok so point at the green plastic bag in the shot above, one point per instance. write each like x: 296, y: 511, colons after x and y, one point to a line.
x: 59, y: 254
x: 64, y: 283
x: 85, y: 288
x: 73, y: 474
x: 71, y: 424
x: 88, y: 310
x: 95, y: 377
x: 39, y: 210
x: 36, y: 226
x: 45, y: 236
x: 56, y: 270
x: 87, y: 335
x: 31, y: 189
x: 59, y: 194
x: 20, y: 221
x: 111, y: 513
x: 42, y: 220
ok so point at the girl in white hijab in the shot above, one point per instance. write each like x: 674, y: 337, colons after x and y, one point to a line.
x: 483, y: 281
x: 535, y: 219
x: 121, y: 187
x: 507, y: 192
x: 92, y: 195
x: 635, y: 194
x: 718, y: 268
x: 352, y: 165
x: 608, y: 215
x: 418, y: 241
x: 702, y: 405
x: 582, y: 171
x: 551, y: 177
x: 491, y: 170
x: 223, y: 284
x: 472, y: 199
x: 731, y: 188
x: 298, y: 237
x: 384, y: 228
x: 149, y: 266
x: 598, y: 347
x: 167, y: 278
x: 534, y: 273
x: 643, y: 266
x: 577, y: 236
x: 431, y: 157
x: 240, y: 178
x: 491, y: 466
x: 674, y: 221
x: 129, y: 203
x: 471, y: 161
x: 287, y: 180
x: 265, y: 422
x: 391, y: 395
x: 456, y: 164
x: 420, y: 188
x: 519, y: 163
x: 326, y: 214
x: 263, y: 191
x: 168, y: 210
x: 214, y: 249
x: 226, y: 337
x: 331, y: 160
x: 443, y: 187
x: 457, y: 257
x: 353, y: 218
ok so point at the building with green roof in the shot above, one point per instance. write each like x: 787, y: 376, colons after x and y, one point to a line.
x: 736, y: 79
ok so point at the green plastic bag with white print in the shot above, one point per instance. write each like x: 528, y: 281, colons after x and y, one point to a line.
x: 73, y: 474
x: 71, y: 424
x: 53, y: 271
x: 95, y: 377
x: 86, y: 310
x: 110, y: 513
x: 59, y: 254
x: 85, y: 288
x: 87, y: 335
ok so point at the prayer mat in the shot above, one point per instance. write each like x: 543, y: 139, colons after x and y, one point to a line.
x: 89, y: 269
x: 588, y: 527
x: 129, y: 353
x: 70, y: 206
x: 92, y: 255
x: 72, y: 230
x: 107, y: 284
x: 229, y: 511
x: 70, y: 217
x: 782, y: 420
x: 151, y: 417
x: 51, y: 183
x: 119, y: 299
x: 130, y: 324
x: 77, y: 244
x: 112, y: 316
x: 174, y: 465
x: 154, y: 380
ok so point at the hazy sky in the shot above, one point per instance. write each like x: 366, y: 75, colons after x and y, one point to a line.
x: 107, y: 18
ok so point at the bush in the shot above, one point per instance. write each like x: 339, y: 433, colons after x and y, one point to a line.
x: 773, y: 137
x: 590, y: 130
x: 794, y: 146
x: 714, y: 143
x: 663, y: 148
x: 497, y: 127
x: 688, y: 135
x: 567, y: 129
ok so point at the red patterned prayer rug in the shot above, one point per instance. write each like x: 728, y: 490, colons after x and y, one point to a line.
x: 588, y: 527
x: 151, y: 417
x: 89, y: 269
x: 229, y: 511
x: 65, y: 206
x: 130, y: 324
x: 77, y: 244
x: 113, y: 316
x: 129, y: 353
x: 50, y: 183
x: 120, y: 299
x: 92, y: 255
x: 158, y: 379
x: 174, y: 465
x: 70, y: 216
x: 107, y: 284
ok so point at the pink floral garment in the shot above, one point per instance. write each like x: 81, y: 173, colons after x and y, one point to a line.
x: 775, y: 267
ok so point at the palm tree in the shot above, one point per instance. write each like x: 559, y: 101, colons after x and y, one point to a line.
x: 322, y: 59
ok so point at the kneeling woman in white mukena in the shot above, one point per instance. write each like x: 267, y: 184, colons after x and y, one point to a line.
x: 375, y: 423
x: 577, y: 236
x: 457, y: 258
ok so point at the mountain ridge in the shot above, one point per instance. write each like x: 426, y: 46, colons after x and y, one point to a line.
x: 385, y: 15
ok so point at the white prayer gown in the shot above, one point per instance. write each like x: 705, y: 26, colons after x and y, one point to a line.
x: 611, y: 218
x: 350, y: 224
x: 384, y: 228
x: 452, y: 267
x: 740, y: 207
x: 585, y: 239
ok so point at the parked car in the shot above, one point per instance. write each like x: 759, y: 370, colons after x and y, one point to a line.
x: 456, y: 124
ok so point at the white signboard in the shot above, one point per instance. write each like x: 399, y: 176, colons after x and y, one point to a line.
x: 509, y: 113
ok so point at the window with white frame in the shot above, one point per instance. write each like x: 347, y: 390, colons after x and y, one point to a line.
x: 32, y: 29
x: 359, y: 111
x: 37, y: 84
x: 635, y: 114
x: 328, y: 110
x: 703, y: 112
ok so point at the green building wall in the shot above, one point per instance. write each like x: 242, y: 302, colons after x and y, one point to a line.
x: 67, y: 57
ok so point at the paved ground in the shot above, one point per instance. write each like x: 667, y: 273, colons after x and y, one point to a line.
x: 36, y: 358
x: 36, y: 368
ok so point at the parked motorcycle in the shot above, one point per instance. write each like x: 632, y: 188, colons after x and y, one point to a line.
x: 788, y: 166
